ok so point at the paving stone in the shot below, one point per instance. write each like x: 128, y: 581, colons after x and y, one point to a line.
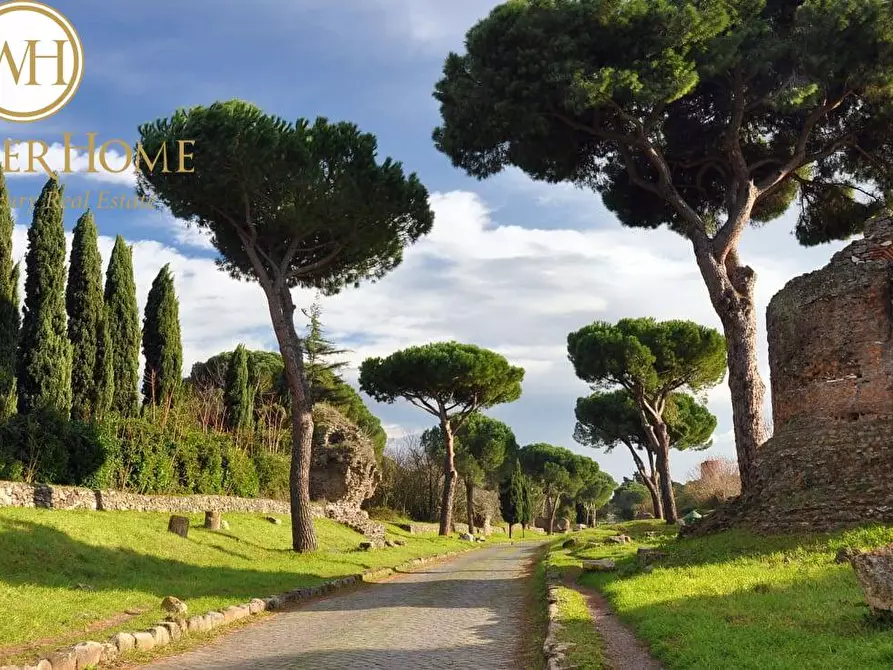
x: 464, y: 614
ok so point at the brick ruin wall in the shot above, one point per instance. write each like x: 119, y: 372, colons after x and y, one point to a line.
x: 829, y: 461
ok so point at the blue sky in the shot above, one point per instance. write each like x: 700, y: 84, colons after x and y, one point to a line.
x: 511, y: 264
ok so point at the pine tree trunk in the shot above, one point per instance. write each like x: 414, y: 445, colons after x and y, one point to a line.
x: 282, y: 311
x: 731, y: 289
x: 449, y: 478
x: 469, y: 502
x: 666, y: 481
x: 553, y: 508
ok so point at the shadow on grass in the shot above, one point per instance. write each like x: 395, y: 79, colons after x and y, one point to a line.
x: 47, y: 557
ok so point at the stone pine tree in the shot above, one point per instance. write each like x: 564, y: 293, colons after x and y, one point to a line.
x: 302, y: 204
x: 10, y: 315
x: 44, y: 360
x: 123, y: 325
x: 450, y: 381
x: 85, y: 305
x: 162, y: 346
x: 483, y: 443
x: 511, y: 499
x: 705, y: 117
x: 237, y: 396
x: 650, y: 360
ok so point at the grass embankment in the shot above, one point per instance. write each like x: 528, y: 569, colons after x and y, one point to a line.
x: 66, y: 576
x: 735, y: 600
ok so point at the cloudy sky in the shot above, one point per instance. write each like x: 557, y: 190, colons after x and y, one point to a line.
x: 511, y: 264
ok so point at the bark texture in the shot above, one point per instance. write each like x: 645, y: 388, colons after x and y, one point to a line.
x: 449, y: 478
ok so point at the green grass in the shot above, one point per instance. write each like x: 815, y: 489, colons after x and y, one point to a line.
x: 735, y: 600
x: 130, y: 562
x: 578, y: 629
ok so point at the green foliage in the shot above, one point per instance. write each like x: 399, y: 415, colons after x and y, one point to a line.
x: 123, y: 326
x: 629, y: 497
x: 481, y: 447
x: 648, y: 356
x: 511, y: 499
x: 162, y: 346
x: 455, y: 378
x: 238, y: 393
x: 85, y: 307
x: 339, y: 216
x: 44, y: 359
x: 272, y: 474
x: 608, y: 418
x: 105, y: 367
x: 637, y: 100
x: 10, y: 318
x: 240, y: 476
x: 321, y: 370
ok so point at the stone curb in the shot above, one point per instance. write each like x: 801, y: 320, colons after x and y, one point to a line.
x: 554, y: 651
x: 90, y: 654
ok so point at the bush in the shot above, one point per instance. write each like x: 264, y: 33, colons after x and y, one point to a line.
x: 387, y: 515
x: 240, y: 477
x: 34, y: 448
x: 273, y: 475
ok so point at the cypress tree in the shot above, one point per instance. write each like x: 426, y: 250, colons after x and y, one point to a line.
x: 44, y: 361
x: 105, y: 368
x: 10, y: 318
x: 513, y: 499
x: 123, y: 325
x: 237, y: 393
x: 162, y: 347
x: 84, y: 302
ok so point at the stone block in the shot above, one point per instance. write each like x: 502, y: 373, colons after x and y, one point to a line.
x: 173, y: 629
x: 257, y: 605
x: 109, y: 653
x: 599, y: 565
x: 874, y: 570
x: 178, y: 525
x: 88, y: 654
x: 143, y: 641
x: 65, y: 659
x: 214, y: 619
x: 161, y: 635
x: 123, y: 642
x: 273, y: 602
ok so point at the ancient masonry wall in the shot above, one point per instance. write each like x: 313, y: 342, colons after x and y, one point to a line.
x: 17, y: 494
x: 829, y: 461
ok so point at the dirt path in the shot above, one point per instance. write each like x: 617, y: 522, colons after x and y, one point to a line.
x: 464, y: 614
x: 623, y: 650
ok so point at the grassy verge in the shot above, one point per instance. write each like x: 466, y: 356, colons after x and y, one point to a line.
x: 735, y: 600
x: 536, y: 616
x: 71, y: 576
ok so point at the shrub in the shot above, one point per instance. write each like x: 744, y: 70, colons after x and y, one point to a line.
x: 240, y: 477
x: 273, y: 475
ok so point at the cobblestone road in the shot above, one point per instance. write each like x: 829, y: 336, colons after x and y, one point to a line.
x: 461, y: 614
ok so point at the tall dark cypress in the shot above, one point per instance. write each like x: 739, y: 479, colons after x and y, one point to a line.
x: 237, y: 396
x: 105, y: 368
x: 123, y: 325
x: 10, y: 318
x: 84, y: 302
x: 44, y: 360
x: 162, y: 347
